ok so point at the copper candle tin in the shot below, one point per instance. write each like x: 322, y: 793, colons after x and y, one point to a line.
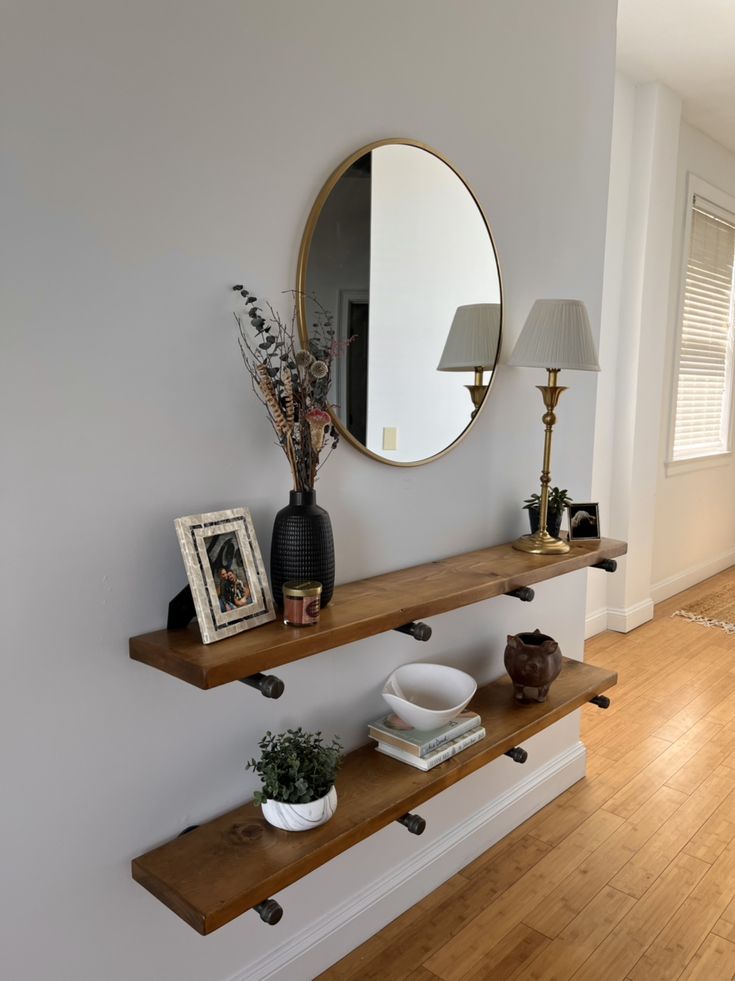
x: 301, y: 602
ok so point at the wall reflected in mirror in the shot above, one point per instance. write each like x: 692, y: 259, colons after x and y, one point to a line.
x: 402, y: 256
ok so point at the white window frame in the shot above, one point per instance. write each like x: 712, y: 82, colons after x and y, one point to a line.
x: 696, y: 187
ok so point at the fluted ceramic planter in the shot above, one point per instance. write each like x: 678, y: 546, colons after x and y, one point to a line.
x: 533, y: 661
x: 300, y: 817
x: 302, y: 547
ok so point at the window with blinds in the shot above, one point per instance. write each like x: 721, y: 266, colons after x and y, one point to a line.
x: 705, y: 367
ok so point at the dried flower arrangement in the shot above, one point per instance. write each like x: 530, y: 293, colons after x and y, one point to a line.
x: 292, y: 384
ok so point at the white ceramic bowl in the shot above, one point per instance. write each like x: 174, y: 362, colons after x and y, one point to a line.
x: 427, y: 696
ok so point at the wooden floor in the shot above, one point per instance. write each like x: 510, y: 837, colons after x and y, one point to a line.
x: 630, y: 874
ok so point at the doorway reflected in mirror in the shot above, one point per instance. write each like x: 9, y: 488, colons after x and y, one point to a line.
x: 398, y: 247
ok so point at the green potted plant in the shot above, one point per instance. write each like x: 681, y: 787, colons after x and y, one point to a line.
x: 297, y: 771
x: 558, y: 500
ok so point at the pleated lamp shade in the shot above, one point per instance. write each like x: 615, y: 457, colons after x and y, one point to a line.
x: 473, y: 338
x: 557, y: 334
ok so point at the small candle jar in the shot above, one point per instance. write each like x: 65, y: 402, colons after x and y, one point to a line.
x: 301, y: 603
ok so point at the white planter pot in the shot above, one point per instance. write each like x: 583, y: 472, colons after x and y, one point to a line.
x: 300, y: 817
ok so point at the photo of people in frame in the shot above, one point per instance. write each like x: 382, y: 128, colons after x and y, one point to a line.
x: 584, y: 522
x: 228, y: 571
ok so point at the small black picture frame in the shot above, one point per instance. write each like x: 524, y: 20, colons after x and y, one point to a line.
x: 584, y: 521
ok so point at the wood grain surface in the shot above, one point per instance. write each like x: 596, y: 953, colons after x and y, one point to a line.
x: 227, y: 866
x: 363, y: 609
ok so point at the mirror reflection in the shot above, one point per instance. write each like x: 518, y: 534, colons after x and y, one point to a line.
x: 399, y: 251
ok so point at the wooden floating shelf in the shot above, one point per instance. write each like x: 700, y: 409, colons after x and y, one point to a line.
x: 363, y: 609
x: 229, y: 865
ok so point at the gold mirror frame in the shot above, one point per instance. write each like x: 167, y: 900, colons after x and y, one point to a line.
x: 301, y: 294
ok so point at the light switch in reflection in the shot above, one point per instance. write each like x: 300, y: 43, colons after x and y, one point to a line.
x: 390, y: 438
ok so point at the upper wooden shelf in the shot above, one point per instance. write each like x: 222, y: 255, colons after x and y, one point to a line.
x: 227, y: 866
x: 363, y: 609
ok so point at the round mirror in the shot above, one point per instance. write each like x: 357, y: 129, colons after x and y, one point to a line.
x: 398, y: 251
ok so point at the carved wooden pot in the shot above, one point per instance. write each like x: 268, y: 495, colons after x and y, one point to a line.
x: 533, y: 660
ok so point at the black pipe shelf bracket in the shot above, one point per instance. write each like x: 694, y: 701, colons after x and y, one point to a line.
x: 413, y: 822
x: 517, y: 754
x: 415, y: 629
x: 268, y: 685
x: 607, y: 565
x: 524, y: 593
x: 601, y: 701
x: 269, y: 911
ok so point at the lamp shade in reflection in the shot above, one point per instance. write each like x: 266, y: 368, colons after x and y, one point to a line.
x: 473, y: 338
x: 556, y: 335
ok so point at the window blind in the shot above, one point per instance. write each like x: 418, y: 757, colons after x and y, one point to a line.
x: 704, y: 383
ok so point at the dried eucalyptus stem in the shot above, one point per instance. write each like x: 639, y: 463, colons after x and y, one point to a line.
x: 292, y: 384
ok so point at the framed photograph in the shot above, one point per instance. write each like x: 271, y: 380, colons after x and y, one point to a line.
x: 584, y: 522
x: 226, y: 574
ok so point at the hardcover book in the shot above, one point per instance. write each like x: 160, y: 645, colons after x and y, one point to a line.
x: 439, y: 755
x: 394, y: 732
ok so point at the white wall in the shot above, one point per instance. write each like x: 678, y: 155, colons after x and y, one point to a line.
x: 603, y: 461
x: 157, y: 152
x: 638, y: 261
x: 695, y: 525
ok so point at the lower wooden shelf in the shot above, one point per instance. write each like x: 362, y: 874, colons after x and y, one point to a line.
x: 231, y: 864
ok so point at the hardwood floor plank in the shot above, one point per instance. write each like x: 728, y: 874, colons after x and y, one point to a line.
x: 714, y: 961
x: 723, y: 928
x: 620, y: 951
x: 716, y: 833
x: 353, y: 965
x: 693, y: 773
x: 580, y: 937
x: 411, y: 945
x: 698, y: 708
x: 637, y: 791
x: 508, y: 958
x: 468, y: 948
x: 570, y: 897
x: 587, y: 795
x: 687, y: 929
x: 648, y: 863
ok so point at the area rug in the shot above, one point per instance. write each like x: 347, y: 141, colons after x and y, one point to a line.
x: 713, y: 610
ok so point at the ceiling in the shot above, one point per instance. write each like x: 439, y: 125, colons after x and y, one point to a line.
x: 688, y: 45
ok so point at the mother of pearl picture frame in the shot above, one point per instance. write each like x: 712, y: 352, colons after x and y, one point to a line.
x: 226, y: 574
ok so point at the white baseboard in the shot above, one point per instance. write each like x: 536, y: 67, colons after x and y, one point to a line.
x: 622, y: 621
x: 595, y: 623
x: 633, y: 616
x: 341, y: 929
x: 690, y: 577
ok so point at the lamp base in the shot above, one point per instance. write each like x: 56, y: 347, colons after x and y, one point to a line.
x: 541, y: 543
x: 477, y: 394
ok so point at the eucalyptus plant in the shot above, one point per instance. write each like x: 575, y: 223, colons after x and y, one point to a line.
x: 558, y: 500
x: 293, y: 384
x: 295, y: 767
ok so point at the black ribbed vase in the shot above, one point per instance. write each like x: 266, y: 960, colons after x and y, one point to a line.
x: 302, y: 546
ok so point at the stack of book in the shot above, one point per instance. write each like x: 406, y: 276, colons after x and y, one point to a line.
x: 422, y: 749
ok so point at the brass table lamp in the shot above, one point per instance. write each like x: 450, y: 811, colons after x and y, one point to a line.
x: 556, y: 335
x: 472, y: 345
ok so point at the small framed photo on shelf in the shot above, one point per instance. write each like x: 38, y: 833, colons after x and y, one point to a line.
x: 226, y: 574
x: 584, y: 522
